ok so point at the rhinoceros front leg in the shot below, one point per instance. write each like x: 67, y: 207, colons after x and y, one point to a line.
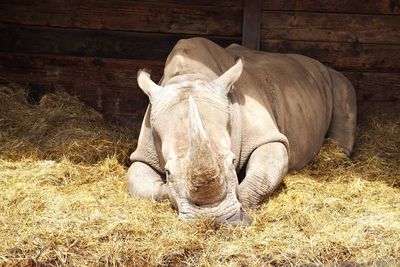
x: 265, y: 170
x: 145, y: 182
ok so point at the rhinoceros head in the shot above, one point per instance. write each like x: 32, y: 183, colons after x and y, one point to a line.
x: 190, y: 123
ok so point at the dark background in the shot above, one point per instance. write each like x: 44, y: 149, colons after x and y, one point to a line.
x: 93, y: 48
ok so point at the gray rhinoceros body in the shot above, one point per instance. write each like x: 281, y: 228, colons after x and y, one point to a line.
x: 270, y: 115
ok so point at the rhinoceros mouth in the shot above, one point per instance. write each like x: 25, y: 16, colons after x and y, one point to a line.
x: 226, y: 208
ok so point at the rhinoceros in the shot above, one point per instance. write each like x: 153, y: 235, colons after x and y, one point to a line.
x: 225, y: 125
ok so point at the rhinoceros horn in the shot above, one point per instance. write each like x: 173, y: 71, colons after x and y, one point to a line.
x: 205, y: 185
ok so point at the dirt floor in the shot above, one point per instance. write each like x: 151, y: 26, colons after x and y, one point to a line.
x: 64, y: 199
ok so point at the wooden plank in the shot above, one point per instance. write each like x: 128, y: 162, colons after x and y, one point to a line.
x: 308, y: 26
x: 229, y: 3
x: 125, y: 15
x: 365, y: 110
x: 391, y: 7
x: 91, y: 43
x: 251, y: 24
x: 342, y: 56
x: 376, y: 87
x: 109, y: 85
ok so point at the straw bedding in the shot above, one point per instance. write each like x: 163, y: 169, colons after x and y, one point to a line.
x: 64, y: 199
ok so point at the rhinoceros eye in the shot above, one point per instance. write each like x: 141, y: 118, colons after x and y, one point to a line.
x: 167, y: 174
x: 233, y: 158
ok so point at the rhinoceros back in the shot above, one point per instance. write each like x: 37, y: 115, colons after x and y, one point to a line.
x: 297, y: 90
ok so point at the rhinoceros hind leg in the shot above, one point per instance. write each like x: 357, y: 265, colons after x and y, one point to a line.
x: 145, y: 182
x: 265, y: 170
x: 344, y: 114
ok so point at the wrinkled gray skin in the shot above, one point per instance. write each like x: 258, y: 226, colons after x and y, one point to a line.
x: 211, y: 118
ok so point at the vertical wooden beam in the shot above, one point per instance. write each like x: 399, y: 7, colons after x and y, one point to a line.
x: 251, y: 24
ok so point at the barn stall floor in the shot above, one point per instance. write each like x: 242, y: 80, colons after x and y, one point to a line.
x: 64, y: 199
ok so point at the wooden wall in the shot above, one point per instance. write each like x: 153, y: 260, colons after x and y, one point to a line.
x: 359, y: 38
x: 93, y: 48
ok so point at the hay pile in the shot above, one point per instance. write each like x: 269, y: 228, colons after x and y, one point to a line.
x: 58, y: 125
x: 64, y: 200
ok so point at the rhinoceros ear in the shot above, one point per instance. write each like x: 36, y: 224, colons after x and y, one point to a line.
x: 150, y: 88
x: 226, y: 80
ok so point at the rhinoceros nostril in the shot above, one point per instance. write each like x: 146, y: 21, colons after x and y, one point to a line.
x: 238, y: 217
x: 244, y: 218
